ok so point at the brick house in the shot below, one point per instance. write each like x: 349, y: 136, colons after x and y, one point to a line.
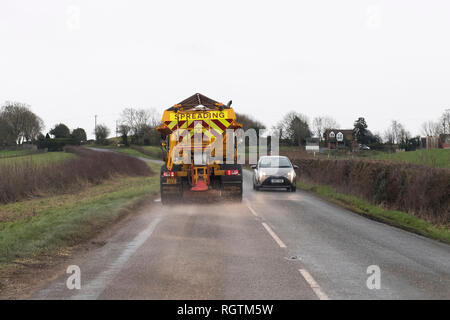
x: 339, y: 138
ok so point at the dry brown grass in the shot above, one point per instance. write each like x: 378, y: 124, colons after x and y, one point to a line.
x: 28, y: 178
x: 420, y: 190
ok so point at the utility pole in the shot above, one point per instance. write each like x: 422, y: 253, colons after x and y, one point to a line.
x: 95, y: 126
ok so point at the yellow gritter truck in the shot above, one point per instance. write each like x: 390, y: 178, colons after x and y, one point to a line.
x: 192, y: 132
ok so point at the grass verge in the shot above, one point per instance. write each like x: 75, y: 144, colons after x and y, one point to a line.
x: 394, y: 218
x: 32, y: 230
x: 37, y: 158
x: 13, y: 153
x: 148, y: 152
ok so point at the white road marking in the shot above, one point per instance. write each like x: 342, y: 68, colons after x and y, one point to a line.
x: 251, y: 210
x: 274, y: 236
x: 313, y: 284
x: 157, y: 200
x: 94, y: 288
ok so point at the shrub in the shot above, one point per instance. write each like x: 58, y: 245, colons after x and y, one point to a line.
x: 27, y: 178
x: 420, y: 190
x: 56, y: 144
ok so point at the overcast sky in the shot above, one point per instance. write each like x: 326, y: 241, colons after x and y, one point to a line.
x: 382, y: 60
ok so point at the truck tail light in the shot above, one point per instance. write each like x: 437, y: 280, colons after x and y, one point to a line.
x: 231, y: 172
x: 169, y: 174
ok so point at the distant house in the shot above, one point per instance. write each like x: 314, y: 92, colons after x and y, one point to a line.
x: 444, y: 140
x: 339, y: 138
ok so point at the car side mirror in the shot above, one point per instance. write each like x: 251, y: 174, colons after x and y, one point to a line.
x: 295, y: 166
x: 253, y: 166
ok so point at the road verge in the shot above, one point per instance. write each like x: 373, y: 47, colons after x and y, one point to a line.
x: 37, y: 233
x: 394, y: 218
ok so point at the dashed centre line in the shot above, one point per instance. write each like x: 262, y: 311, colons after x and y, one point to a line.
x: 266, y: 226
x: 306, y: 275
x: 251, y: 210
x: 274, y: 235
x: 313, y: 284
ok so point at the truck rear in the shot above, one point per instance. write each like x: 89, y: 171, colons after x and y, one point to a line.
x: 199, y: 151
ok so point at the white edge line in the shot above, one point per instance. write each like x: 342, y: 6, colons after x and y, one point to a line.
x: 274, y: 236
x: 93, y: 289
x: 313, y: 284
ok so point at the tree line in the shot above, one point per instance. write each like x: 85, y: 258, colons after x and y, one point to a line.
x: 294, y: 129
x: 438, y: 127
x: 18, y: 124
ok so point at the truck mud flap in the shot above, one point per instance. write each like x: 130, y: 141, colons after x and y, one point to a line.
x: 232, y: 191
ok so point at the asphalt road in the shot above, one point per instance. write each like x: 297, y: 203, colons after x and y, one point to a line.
x: 273, y: 245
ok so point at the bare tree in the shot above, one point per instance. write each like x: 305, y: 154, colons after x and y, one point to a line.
x: 139, y: 122
x: 430, y: 128
x: 6, y: 136
x: 248, y: 122
x: 445, y: 122
x: 321, y: 124
x: 32, y: 126
x: 20, y: 123
x: 396, y: 133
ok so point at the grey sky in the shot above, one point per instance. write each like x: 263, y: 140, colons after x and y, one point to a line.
x: 382, y: 60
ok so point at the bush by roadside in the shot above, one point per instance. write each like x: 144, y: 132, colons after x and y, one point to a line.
x: 419, y: 190
x: 394, y: 218
x: 28, y: 178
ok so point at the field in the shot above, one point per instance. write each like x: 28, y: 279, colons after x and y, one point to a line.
x: 59, y: 172
x: 438, y: 158
x: 148, y: 152
x: 12, y: 153
x: 37, y: 158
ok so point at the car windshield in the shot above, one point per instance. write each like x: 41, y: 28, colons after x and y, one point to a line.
x: 275, y: 162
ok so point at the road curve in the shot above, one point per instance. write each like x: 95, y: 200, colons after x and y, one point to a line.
x: 273, y: 245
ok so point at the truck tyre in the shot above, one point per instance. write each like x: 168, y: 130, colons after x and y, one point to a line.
x: 169, y: 198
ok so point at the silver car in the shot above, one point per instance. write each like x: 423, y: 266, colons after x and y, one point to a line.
x: 274, y: 172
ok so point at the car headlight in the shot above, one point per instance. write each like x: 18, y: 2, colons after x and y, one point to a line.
x: 291, y: 175
x: 261, y: 176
